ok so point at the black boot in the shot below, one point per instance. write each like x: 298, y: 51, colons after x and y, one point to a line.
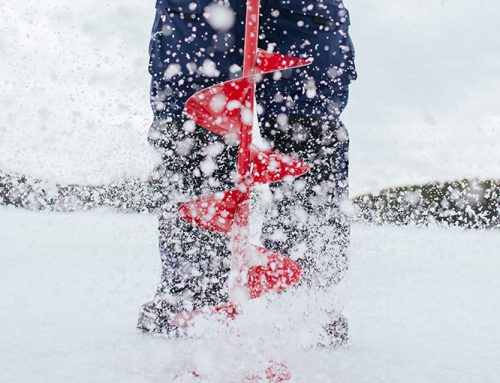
x: 336, y: 332
x: 156, y: 317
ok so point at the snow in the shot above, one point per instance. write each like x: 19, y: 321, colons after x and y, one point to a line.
x: 422, y: 305
x: 221, y: 18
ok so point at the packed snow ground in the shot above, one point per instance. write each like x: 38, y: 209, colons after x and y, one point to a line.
x: 422, y: 305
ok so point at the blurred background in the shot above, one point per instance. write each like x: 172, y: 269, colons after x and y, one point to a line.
x: 74, y: 86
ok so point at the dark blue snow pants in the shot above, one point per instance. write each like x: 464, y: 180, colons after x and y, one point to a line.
x: 299, y: 115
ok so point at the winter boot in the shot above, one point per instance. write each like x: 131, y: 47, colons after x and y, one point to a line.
x: 335, y: 333
x: 155, y: 318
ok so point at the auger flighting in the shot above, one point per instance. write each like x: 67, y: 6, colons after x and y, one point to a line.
x: 227, y: 109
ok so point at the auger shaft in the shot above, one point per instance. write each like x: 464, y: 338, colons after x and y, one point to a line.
x: 251, y: 37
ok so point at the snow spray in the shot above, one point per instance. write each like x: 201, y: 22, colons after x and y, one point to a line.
x: 227, y: 109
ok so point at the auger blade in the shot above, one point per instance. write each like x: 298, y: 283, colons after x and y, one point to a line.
x: 269, y: 167
x: 222, y: 107
x: 276, y: 275
x: 214, y: 213
x: 268, y: 62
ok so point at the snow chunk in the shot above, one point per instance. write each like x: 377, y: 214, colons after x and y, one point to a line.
x: 172, y: 71
x: 217, y: 103
x: 219, y: 17
x: 209, y: 69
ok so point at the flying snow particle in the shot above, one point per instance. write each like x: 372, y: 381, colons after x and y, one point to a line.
x: 345, y: 48
x: 189, y: 126
x: 282, y: 120
x: 218, y: 102
x: 233, y: 104
x: 413, y: 197
x: 311, y: 88
x: 209, y: 69
x: 246, y: 116
x: 183, y: 148
x: 159, y: 105
x: 215, y: 149
x: 219, y: 17
x: 208, y: 166
x: 191, y: 67
x: 172, y: 71
x: 334, y: 72
x: 235, y: 68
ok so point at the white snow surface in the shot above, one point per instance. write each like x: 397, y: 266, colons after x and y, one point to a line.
x: 422, y: 306
x: 74, y: 90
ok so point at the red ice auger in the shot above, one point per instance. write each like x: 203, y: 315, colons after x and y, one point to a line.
x: 227, y: 109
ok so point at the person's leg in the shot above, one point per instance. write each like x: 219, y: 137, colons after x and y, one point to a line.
x: 195, y: 162
x: 185, y: 285
x: 305, y: 219
x: 313, y: 29
x: 194, y: 261
x: 301, y: 118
